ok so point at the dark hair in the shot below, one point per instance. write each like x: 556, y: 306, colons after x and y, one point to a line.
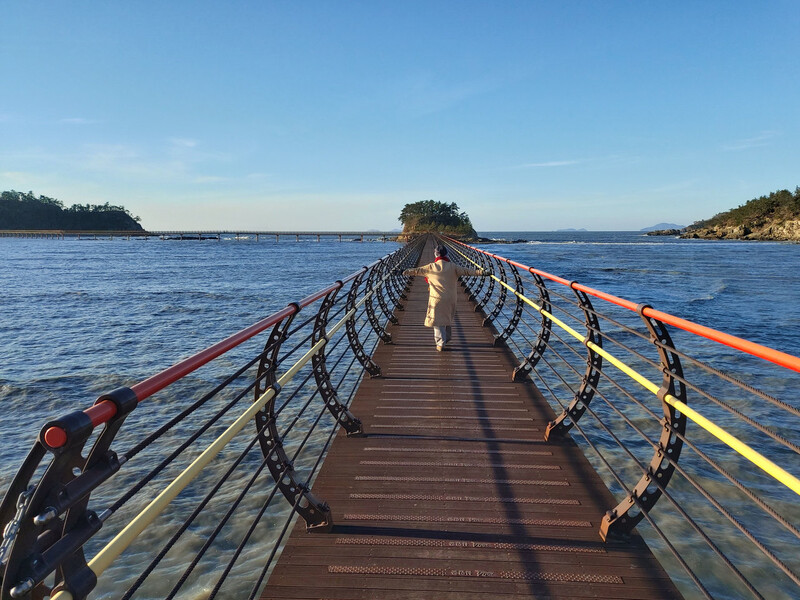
x: 440, y: 251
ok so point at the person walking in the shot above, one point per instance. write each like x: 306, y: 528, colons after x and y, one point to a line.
x: 442, y: 277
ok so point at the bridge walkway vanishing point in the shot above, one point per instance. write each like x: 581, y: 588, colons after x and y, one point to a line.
x: 452, y: 492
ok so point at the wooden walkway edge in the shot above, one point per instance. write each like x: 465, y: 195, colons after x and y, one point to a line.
x: 452, y: 492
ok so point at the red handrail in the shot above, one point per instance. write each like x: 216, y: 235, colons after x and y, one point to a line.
x: 104, y: 411
x: 769, y: 354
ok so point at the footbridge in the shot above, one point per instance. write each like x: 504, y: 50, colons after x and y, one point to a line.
x: 567, y: 443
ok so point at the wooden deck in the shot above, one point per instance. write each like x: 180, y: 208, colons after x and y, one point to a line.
x: 452, y: 492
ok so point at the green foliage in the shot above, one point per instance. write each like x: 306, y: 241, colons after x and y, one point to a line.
x: 25, y: 211
x: 430, y: 215
x: 778, y: 206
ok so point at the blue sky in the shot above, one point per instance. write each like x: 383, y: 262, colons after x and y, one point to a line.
x: 332, y: 115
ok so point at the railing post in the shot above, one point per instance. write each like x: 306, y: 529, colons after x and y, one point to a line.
x: 527, y: 365
x: 52, y: 521
x: 340, y: 412
x: 388, y: 277
x: 352, y: 331
x: 488, y: 265
x: 619, y: 521
x: 478, y: 283
x: 371, y: 315
x: 316, y: 513
x: 514, y: 321
x: 594, y: 364
x: 468, y: 283
x: 379, y: 269
x: 394, y: 278
x: 498, y: 307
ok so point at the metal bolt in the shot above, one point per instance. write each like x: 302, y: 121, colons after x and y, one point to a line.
x: 48, y: 515
x: 21, y: 589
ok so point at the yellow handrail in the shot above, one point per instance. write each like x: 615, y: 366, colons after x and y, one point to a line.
x: 769, y: 467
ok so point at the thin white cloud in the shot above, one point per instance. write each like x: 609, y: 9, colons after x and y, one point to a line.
x: 549, y: 164
x: 184, y: 142
x: 762, y: 139
x: 612, y: 160
x: 423, y: 93
x: 78, y: 121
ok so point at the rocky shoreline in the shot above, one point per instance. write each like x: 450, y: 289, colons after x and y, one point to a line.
x: 784, y: 231
x: 665, y: 232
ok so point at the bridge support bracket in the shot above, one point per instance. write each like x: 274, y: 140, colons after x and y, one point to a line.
x: 619, y: 521
x: 594, y: 365
x: 349, y: 423
x: 370, y: 306
x: 49, y: 523
x: 369, y: 365
x: 498, y: 307
x: 529, y: 363
x: 314, y: 512
x: 513, y: 322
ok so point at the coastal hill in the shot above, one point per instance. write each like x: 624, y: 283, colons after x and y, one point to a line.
x: 775, y: 217
x: 431, y: 216
x: 20, y: 211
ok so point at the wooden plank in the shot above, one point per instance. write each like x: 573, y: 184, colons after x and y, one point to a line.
x: 452, y: 492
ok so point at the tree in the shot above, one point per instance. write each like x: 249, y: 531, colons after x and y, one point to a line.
x: 430, y: 215
x: 778, y: 206
x: 19, y: 210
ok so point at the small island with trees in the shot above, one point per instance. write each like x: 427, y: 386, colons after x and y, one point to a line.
x: 21, y: 211
x: 775, y: 217
x: 429, y: 216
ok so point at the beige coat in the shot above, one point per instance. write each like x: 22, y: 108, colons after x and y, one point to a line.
x: 442, y: 285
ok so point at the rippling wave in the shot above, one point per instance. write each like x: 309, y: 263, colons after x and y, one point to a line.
x: 82, y: 319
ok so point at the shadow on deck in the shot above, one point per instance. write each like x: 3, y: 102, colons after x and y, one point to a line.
x: 452, y: 492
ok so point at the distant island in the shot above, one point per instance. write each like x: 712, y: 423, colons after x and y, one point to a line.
x: 568, y: 230
x: 429, y: 216
x: 658, y: 227
x: 20, y: 211
x: 775, y: 217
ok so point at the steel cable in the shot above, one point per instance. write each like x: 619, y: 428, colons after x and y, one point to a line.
x: 183, y: 414
x: 769, y: 510
x: 271, y: 557
x: 246, y: 538
x: 299, y: 449
x: 622, y: 485
x: 644, y: 470
x: 175, y: 453
x: 212, y: 537
x: 722, y: 404
x: 747, y: 533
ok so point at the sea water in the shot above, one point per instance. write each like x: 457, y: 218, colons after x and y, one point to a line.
x: 82, y: 317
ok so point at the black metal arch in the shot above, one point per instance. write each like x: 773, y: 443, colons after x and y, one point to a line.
x: 352, y: 330
x: 316, y: 513
x: 594, y: 364
x: 374, y: 322
x: 351, y: 424
x: 501, y: 301
x: 529, y: 363
x: 511, y: 326
x: 620, y: 520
